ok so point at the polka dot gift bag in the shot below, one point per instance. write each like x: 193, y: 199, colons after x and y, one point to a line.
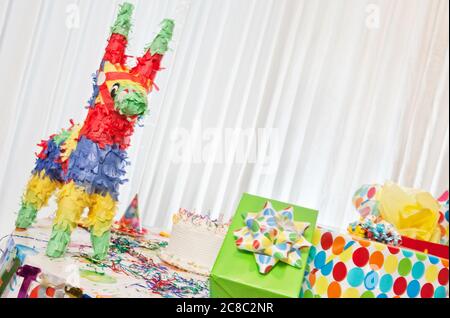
x: 340, y: 266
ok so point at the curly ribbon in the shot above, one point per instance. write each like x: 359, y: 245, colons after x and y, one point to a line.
x: 372, y: 229
x: 273, y: 236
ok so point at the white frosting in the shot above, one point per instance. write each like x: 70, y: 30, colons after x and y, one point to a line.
x: 194, y: 243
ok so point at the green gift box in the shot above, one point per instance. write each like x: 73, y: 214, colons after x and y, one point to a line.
x: 235, y: 272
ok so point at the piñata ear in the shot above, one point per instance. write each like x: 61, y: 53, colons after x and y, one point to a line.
x: 117, y: 43
x: 149, y: 64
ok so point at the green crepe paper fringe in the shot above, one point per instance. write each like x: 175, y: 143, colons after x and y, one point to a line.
x: 160, y: 44
x: 27, y: 215
x: 59, y: 241
x: 134, y: 104
x: 123, y: 22
x: 62, y: 137
x: 100, y: 244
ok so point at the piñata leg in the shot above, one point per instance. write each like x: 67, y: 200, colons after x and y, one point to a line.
x: 39, y: 190
x: 72, y: 200
x: 101, y: 215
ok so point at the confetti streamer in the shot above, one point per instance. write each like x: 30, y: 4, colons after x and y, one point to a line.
x: 124, y: 258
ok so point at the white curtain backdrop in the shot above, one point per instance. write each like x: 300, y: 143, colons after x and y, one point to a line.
x: 353, y: 91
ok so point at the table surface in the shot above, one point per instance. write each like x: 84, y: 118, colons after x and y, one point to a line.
x: 133, y: 268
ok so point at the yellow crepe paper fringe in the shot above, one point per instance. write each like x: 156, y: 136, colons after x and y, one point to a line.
x: 102, y: 213
x: 39, y: 190
x: 71, y: 143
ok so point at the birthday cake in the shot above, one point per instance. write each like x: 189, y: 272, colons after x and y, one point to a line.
x: 194, y: 242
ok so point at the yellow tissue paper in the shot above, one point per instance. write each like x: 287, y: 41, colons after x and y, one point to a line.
x: 414, y: 213
x: 102, y: 213
x: 39, y: 189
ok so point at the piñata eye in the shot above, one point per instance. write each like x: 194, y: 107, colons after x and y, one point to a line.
x: 114, y: 90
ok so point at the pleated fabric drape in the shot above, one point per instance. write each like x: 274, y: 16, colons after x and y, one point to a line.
x: 351, y: 92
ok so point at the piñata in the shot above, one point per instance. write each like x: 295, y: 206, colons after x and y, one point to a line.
x: 86, y: 162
